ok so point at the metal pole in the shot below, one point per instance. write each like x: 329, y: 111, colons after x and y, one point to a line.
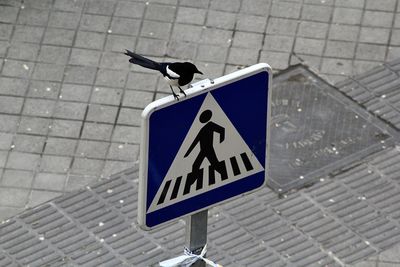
x: 196, y: 234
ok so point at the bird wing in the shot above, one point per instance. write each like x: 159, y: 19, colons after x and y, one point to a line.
x: 171, y: 73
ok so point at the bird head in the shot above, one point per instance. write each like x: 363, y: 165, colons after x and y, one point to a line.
x: 193, y: 68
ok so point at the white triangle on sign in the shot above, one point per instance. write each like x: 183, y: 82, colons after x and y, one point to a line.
x: 235, y: 159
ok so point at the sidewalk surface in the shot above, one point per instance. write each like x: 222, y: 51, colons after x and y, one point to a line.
x: 70, y: 102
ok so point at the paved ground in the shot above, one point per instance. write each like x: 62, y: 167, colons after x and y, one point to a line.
x: 70, y: 103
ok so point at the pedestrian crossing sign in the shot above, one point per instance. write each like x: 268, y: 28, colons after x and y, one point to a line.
x: 205, y: 148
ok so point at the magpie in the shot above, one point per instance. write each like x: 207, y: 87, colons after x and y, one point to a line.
x: 175, y: 73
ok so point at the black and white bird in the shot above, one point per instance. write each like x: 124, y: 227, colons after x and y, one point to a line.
x: 176, y: 73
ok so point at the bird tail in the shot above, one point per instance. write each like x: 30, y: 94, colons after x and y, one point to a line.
x: 142, y: 61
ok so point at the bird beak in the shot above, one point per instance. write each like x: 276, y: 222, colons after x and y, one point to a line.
x: 199, y: 72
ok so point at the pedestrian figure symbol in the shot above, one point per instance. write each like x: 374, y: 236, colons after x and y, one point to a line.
x: 205, y: 138
x: 213, y: 154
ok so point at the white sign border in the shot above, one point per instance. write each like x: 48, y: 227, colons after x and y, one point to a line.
x: 198, y: 88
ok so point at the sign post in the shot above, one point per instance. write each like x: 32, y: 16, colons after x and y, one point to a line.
x: 196, y: 234
x: 204, y: 149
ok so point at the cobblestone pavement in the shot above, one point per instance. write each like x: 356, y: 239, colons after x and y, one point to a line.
x: 70, y: 103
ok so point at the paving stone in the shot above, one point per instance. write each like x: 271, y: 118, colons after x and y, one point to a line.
x: 3, y: 158
x: 71, y: 6
x: 60, y: 146
x: 160, y: 12
x: 65, y: 128
x: 242, y: 56
x: 80, y: 75
x: 76, y: 182
x: 11, y: 104
x: 129, y: 9
x: 90, y: 40
x: 191, y: 15
x: 16, y: 68
x: 67, y: 20
x: 257, y: 7
x: 394, y: 39
x: 13, y: 197
x: 23, y: 161
x: 118, y: 43
x: 103, y: 95
x: 225, y: 5
x: 129, y: 116
x: 102, y: 113
x: 111, y: 78
x: 371, y: 52
x: 142, y: 81
x: 251, y: 23
x: 41, y: 196
x: 17, y: 178
x: 25, y: 33
x: 377, y: 19
x: 181, y: 50
x: 216, y: 37
x: 212, y: 53
x: 195, y: 3
x: 87, y: 166
x: 285, y: 10
x: 8, y: 123
x: 279, y: 26
x: 316, y: 13
x: 4, y: 45
x: 95, y: 23
x: 354, y: 3
x: 385, y: 5
x: 247, y: 40
x: 221, y: 19
x: 38, y: 107
x: 56, y: 36
x: 34, y: 125
x: 23, y: 51
x: 374, y: 35
x: 84, y: 57
x: 186, y: 32
x: 111, y: 167
x: 126, y: 134
x: 156, y: 29
x: 70, y: 110
x: 313, y: 29
x: 278, y: 43
x: 277, y: 60
x: 347, y: 16
x: 101, y: 7
x: 5, y: 140
x: 54, y: 54
x: 113, y: 60
x: 309, y: 46
x: 49, y: 181
x: 5, y: 31
x: 75, y: 92
x: 32, y: 16
x: 340, y: 49
x: 28, y: 143
x: 8, y: 14
x: 125, y: 26
x: 92, y: 149
x: 97, y: 131
x: 44, y: 89
x: 336, y: 66
x: 137, y: 99
x: 124, y: 152
x: 151, y: 47
x: 343, y: 32
x: 51, y: 163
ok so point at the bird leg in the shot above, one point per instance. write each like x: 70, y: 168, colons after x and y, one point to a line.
x: 180, y: 89
x: 173, y: 93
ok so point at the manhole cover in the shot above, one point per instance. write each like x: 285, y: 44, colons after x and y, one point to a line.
x: 316, y: 130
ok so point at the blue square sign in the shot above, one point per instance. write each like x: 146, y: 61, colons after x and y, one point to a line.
x: 205, y: 148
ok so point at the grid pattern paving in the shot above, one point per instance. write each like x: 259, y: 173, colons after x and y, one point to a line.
x: 70, y: 103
